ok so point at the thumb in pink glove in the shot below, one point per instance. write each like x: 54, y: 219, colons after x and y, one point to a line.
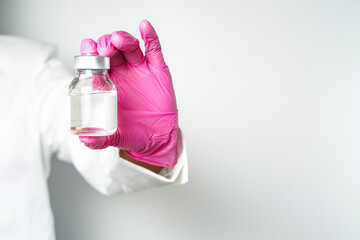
x: 147, y: 113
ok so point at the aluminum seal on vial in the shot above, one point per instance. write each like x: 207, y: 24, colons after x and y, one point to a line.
x: 91, y: 62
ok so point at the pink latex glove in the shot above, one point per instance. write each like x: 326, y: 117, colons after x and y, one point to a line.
x: 147, y: 113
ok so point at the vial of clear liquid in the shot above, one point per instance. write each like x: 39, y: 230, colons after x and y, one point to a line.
x: 93, y: 98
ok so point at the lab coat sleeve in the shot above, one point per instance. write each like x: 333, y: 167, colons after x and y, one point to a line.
x: 103, y: 169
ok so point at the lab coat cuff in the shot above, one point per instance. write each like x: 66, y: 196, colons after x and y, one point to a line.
x: 177, y: 174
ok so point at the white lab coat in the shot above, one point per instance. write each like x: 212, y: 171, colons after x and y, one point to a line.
x: 34, y: 126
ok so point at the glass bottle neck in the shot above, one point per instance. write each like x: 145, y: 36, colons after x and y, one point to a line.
x: 92, y: 71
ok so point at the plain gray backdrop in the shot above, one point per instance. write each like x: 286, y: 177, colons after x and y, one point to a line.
x: 268, y: 93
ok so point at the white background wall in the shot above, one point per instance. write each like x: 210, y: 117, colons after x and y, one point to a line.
x: 269, y: 95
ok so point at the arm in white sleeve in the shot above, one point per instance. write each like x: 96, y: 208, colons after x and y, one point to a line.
x: 103, y: 169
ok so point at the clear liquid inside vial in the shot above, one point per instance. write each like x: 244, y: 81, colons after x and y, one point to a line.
x: 94, y: 114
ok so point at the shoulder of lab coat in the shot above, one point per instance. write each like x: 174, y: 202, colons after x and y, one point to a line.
x: 103, y: 169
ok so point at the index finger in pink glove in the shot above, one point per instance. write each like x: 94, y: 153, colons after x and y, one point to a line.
x: 103, y: 48
x: 88, y: 47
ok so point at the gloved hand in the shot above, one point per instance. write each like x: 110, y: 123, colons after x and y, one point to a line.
x: 147, y: 113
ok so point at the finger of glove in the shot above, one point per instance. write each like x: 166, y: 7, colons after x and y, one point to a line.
x: 107, y: 49
x: 88, y: 47
x: 94, y: 142
x: 153, y: 53
x: 128, y: 45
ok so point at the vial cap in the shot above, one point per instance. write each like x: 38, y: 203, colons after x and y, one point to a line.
x: 91, y: 62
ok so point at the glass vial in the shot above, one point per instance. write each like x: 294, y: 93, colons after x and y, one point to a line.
x: 93, y: 98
